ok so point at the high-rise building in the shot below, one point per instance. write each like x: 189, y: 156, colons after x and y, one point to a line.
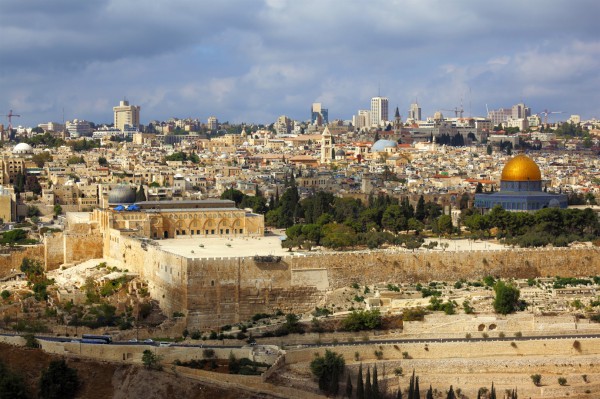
x: 379, y: 110
x: 499, y: 116
x: 319, y: 115
x: 414, y: 112
x: 520, y: 111
x: 126, y: 115
x: 213, y: 123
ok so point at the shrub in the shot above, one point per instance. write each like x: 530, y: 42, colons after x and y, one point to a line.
x: 328, y: 369
x: 151, y: 361
x: 208, y: 353
x: 562, y: 381
x: 378, y: 354
x: 5, y: 294
x: 537, y: 379
x: 362, y: 320
x: 398, y: 371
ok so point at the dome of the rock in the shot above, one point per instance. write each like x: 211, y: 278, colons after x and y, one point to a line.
x: 521, y: 168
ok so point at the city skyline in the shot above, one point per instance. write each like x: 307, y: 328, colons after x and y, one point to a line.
x: 254, y: 61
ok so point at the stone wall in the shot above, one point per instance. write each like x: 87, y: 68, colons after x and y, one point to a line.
x: 424, y: 266
x: 54, y: 254
x: 82, y: 243
x: 11, y: 258
x: 218, y: 291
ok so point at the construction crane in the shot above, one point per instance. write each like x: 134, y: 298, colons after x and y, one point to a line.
x: 546, y: 113
x: 457, y: 111
x: 10, y: 116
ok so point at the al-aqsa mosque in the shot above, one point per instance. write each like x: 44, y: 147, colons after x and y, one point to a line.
x: 521, y: 189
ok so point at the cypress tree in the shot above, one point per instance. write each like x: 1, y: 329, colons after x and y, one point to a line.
x: 399, y: 394
x: 417, y: 394
x: 411, y: 387
x: 451, y: 394
x: 375, y: 387
x: 368, y: 387
x: 334, y: 385
x: 349, y: 386
x: 360, y: 389
x: 429, y: 394
x: 420, y: 211
x: 493, y: 392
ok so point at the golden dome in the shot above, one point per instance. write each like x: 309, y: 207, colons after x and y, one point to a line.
x: 521, y: 168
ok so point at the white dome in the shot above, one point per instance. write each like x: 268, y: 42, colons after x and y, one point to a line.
x: 178, y: 176
x: 381, y: 145
x: 23, y: 148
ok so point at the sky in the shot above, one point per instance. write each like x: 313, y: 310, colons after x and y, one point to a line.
x: 254, y: 60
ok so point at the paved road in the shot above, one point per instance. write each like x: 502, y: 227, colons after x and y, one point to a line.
x: 347, y: 343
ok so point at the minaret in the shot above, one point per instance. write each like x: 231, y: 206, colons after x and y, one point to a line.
x: 326, y: 146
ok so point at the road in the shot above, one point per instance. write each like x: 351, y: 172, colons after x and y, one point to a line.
x: 347, y: 343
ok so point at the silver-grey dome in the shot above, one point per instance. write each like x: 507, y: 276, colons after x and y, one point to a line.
x: 121, y: 195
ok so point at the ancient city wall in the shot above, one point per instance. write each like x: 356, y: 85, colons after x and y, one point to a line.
x: 218, y: 291
x: 11, y: 258
x: 54, y: 253
x: 422, y: 266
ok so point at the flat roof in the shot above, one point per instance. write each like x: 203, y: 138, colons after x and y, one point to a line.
x: 217, y: 247
x: 187, y: 202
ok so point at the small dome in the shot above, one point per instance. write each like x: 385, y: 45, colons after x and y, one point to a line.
x: 178, y: 176
x: 381, y: 145
x: 340, y: 153
x: 121, y: 195
x: 23, y: 148
x: 521, y: 168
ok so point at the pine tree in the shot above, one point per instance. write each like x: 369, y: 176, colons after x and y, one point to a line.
x: 349, y: 386
x: 368, y: 387
x: 360, y: 389
x: 375, y: 387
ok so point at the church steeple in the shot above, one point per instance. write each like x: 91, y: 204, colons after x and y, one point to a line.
x: 326, y: 146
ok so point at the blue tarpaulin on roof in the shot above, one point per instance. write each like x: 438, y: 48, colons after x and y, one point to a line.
x: 119, y: 208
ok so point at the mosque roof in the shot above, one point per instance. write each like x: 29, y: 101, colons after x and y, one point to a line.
x: 521, y: 168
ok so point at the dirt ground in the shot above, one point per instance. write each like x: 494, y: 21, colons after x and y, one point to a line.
x: 102, y: 380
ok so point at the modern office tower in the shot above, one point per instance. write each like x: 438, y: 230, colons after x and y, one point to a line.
x: 414, y: 112
x: 379, y: 110
x: 520, y: 111
x: 126, y: 115
x: 213, y: 123
x: 319, y: 115
x: 499, y: 116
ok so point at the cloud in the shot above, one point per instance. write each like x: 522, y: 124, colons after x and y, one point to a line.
x: 253, y: 61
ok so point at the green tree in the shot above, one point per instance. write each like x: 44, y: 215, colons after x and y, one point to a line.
x: 151, y: 361
x: 349, y: 386
x: 360, y: 388
x: 140, y: 194
x: 375, y: 393
x: 102, y: 161
x: 58, y: 381
x: 507, y: 298
x: 327, y: 369
x: 12, y: 386
x: 57, y: 210
x: 489, y: 149
x: 362, y: 320
x: 536, y: 379
x: 445, y: 224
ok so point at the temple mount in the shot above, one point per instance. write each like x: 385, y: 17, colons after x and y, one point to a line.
x: 520, y: 189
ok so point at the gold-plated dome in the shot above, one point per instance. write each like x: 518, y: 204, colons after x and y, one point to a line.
x: 521, y: 168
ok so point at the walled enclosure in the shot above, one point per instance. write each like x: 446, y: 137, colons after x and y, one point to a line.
x: 218, y: 291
